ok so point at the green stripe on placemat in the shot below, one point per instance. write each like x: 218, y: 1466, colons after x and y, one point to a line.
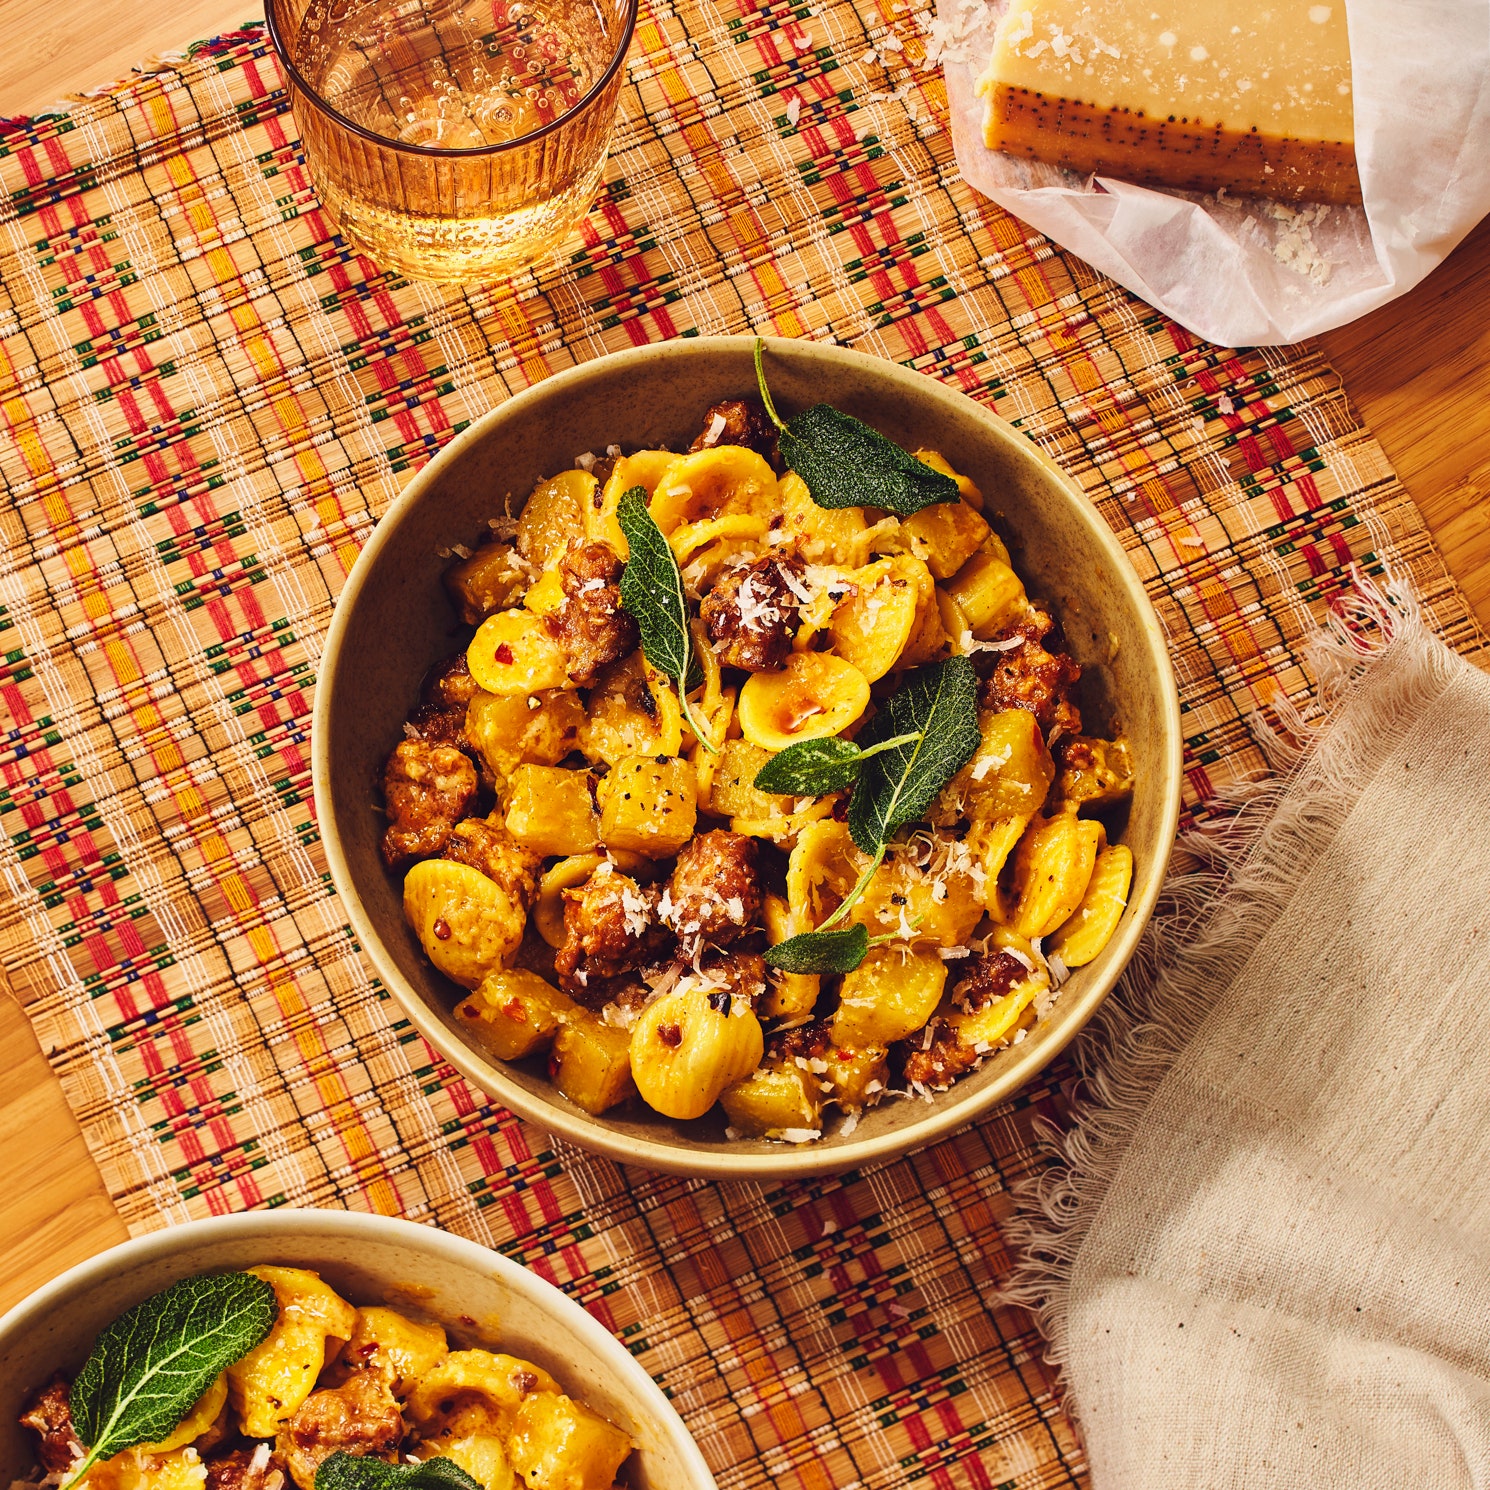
x: 207, y: 400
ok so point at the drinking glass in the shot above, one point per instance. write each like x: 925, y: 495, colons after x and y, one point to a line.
x: 454, y: 140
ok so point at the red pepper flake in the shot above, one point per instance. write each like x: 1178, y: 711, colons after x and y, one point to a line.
x: 525, y: 1382
x: 442, y: 928
x: 514, y: 1010
x: 670, y: 1035
x: 504, y: 655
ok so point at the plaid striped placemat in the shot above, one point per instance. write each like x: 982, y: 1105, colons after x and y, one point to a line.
x: 206, y: 401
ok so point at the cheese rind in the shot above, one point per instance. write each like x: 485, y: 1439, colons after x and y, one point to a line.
x: 1198, y: 94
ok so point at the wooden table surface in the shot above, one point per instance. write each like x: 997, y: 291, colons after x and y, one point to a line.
x: 1418, y: 371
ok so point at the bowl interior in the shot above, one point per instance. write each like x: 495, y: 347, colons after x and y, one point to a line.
x: 481, y: 1298
x: 394, y: 622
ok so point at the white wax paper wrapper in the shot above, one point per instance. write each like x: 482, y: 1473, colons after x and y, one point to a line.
x: 1242, y: 271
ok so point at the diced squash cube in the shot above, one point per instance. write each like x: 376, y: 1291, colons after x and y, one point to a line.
x: 890, y: 995
x: 553, y: 517
x: 858, y: 1074
x: 649, y: 805
x: 988, y: 592
x: 489, y: 581
x: 559, y: 1444
x: 773, y: 1100
x: 591, y: 1062
x: 483, y: 1456
x: 906, y: 901
x: 1009, y: 775
x: 1094, y: 771
x: 734, y: 792
x: 633, y: 711
x: 550, y: 811
x: 509, y: 732
x: 513, y: 1013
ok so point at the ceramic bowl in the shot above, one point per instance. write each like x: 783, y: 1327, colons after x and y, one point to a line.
x: 393, y: 622
x: 482, y: 1298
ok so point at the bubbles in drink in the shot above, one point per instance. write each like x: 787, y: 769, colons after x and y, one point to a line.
x: 444, y: 75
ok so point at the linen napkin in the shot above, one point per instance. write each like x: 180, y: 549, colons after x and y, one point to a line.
x: 1265, y: 1261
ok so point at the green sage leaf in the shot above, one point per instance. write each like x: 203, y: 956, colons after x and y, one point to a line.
x: 343, y: 1471
x: 818, y: 952
x: 809, y: 768
x: 938, y: 707
x: 845, y: 463
x: 652, y: 593
x: 148, y: 1368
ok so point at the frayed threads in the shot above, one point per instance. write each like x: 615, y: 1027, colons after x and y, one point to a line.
x: 1378, y: 667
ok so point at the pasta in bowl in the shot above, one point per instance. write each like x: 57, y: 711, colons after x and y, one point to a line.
x: 309, y: 1350
x: 744, y: 808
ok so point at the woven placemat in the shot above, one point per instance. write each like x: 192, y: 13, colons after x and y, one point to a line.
x: 207, y: 401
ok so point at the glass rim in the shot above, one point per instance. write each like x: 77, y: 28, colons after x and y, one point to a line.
x: 445, y: 152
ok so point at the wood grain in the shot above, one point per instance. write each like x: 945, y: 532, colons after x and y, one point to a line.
x: 54, y: 1210
x: 1418, y: 370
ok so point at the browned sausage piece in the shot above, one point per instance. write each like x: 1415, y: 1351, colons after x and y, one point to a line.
x: 751, y: 612
x: 590, y: 625
x: 359, y: 1417
x: 738, y: 421
x: 808, y: 1042
x: 1030, y: 678
x: 610, y: 928
x: 484, y: 844
x: 426, y: 791
x: 943, y: 1060
x: 733, y: 974
x: 49, y: 1416
x: 989, y: 978
x: 449, y: 684
x: 714, y: 894
x: 246, y: 1469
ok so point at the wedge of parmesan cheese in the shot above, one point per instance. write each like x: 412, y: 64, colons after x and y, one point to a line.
x: 1253, y: 98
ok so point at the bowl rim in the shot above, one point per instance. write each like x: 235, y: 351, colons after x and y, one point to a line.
x: 792, y: 1161
x: 297, y: 1221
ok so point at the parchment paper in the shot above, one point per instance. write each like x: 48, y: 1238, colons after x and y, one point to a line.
x: 1244, y: 271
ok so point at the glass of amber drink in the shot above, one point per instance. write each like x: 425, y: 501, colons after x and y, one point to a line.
x: 454, y: 140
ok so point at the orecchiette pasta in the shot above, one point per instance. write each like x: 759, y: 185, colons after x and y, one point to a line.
x: 608, y: 880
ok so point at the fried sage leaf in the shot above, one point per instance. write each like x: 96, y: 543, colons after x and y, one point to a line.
x: 342, y: 1471
x: 148, y: 1368
x: 845, y: 463
x: 923, y: 735
x: 652, y: 593
x: 820, y: 951
x: 809, y: 768
x: 937, y: 708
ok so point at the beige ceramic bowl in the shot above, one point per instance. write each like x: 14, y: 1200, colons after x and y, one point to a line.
x: 368, y: 1259
x: 394, y: 621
